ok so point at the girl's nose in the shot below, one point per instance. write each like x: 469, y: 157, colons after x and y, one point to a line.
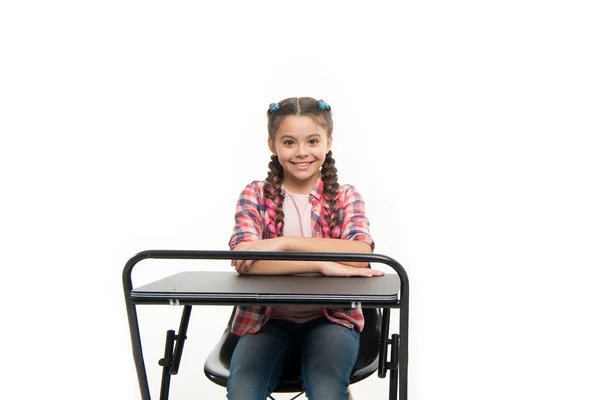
x: 300, y: 151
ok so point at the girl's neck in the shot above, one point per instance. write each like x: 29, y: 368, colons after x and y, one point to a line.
x: 294, y: 193
x: 299, y: 187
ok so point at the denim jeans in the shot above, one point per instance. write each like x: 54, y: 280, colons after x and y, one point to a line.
x: 328, y: 352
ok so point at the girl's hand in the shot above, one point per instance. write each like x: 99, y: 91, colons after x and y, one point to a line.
x: 337, y: 269
x: 243, y: 266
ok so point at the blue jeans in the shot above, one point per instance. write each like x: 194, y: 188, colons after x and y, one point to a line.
x: 328, y: 352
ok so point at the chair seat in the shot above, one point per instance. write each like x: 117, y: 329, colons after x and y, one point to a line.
x: 217, y: 364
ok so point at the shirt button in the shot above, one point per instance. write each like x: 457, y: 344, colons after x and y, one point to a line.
x: 318, y: 233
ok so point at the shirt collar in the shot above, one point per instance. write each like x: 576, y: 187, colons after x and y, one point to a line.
x: 315, y: 192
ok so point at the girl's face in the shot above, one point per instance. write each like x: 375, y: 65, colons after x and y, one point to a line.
x: 301, y: 146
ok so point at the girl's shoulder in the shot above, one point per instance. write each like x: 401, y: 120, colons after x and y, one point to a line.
x: 348, y: 193
x: 256, y: 185
x: 254, y: 189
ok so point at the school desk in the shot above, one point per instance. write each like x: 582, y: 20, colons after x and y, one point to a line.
x: 196, y: 288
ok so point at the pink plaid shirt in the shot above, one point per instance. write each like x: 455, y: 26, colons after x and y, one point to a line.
x: 249, y: 225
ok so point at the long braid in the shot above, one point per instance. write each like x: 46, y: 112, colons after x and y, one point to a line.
x: 274, y: 199
x: 329, y: 220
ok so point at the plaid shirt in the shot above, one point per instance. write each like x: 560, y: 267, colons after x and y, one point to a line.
x: 249, y: 225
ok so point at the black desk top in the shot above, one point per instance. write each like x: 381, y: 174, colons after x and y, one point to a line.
x: 230, y: 286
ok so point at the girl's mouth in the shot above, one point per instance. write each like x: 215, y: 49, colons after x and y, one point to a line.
x: 302, y: 164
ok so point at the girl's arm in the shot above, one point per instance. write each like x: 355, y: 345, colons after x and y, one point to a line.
x: 297, y: 243
x: 328, y: 268
x: 316, y: 245
x: 310, y: 244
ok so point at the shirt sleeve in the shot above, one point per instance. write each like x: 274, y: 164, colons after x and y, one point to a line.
x: 355, y: 225
x: 248, y: 221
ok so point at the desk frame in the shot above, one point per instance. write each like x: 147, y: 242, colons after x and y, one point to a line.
x: 399, y: 343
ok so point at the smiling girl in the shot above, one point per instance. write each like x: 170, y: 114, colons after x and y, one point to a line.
x: 299, y: 207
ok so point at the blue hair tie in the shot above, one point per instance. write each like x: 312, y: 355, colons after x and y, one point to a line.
x: 322, y: 105
x: 274, y: 107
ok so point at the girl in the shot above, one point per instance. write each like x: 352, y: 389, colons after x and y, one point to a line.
x: 299, y: 207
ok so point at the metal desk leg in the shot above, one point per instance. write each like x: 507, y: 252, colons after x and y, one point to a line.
x: 393, y: 367
x: 398, y: 364
x: 403, y: 352
x: 165, y: 382
x: 172, y: 359
x: 136, y: 345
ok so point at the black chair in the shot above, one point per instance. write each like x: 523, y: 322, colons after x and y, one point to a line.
x: 216, y: 366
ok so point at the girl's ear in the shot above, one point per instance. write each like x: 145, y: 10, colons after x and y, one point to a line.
x: 329, y: 139
x: 271, y: 147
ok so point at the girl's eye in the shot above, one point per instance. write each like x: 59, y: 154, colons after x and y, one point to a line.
x: 288, y: 142
x: 313, y: 141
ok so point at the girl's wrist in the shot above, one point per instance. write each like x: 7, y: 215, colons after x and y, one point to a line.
x: 323, y: 267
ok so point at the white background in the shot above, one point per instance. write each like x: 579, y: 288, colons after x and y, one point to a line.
x: 471, y: 129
